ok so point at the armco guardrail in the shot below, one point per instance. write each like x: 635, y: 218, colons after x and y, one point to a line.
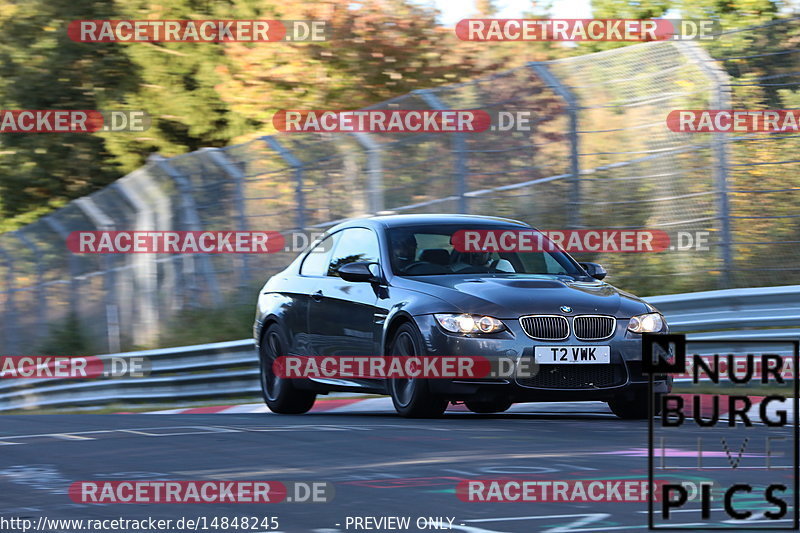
x: 229, y: 369
x: 218, y: 370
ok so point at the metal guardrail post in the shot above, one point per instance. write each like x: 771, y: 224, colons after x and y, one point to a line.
x: 41, y: 297
x: 720, y: 98
x: 458, y: 146
x: 103, y: 222
x: 544, y: 73
x: 72, y: 264
x: 160, y: 209
x: 192, y: 218
x: 219, y: 158
x: 297, y: 165
x: 374, y: 171
x: 145, y: 332
x: 10, y: 311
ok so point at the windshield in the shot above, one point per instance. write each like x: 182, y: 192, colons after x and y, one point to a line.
x: 429, y: 251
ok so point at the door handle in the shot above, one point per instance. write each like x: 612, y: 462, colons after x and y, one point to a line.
x: 317, y: 296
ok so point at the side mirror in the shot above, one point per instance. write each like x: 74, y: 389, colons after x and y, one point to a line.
x: 594, y: 270
x: 358, y: 271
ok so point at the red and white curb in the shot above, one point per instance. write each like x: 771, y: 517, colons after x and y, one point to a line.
x: 383, y: 405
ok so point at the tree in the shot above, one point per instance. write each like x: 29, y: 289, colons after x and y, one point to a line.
x: 40, y: 68
x: 177, y: 86
x: 378, y: 49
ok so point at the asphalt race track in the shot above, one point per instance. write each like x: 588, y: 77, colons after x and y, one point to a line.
x: 380, y: 464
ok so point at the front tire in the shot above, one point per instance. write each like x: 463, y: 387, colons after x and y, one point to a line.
x: 412, y: 397
x: 280, y: 394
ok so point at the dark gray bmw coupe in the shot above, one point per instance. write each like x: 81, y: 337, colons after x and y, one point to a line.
x: 397, y: 286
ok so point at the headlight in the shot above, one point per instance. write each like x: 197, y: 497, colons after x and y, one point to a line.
x: 464, y: 323
x: 647, y: 323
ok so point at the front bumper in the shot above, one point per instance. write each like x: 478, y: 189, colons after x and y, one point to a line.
x: 623, y: 376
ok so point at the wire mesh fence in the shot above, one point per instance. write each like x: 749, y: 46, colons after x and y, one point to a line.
x: 598, y: 155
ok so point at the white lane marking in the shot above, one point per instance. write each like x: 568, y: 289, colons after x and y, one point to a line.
x: 232, y: 473
x: 470, y: 529
x: 753, y: 519
x: 73, y: 435
x: 246, y: 409
x: 94, y: 432
x: 575, y: 526
x: 561, y: 407
x: 171, y: 431
x: 148, y: 432
x: 70, y: 436
x: 8, y: 440
x: 43, y: 477
x: 132, y: 475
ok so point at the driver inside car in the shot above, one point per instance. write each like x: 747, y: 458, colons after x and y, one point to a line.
x: 405, y: 251
x: 478, y: 262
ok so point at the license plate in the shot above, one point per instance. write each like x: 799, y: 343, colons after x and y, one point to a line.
x: 572, y: 355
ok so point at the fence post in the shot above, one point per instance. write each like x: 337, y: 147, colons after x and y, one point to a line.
x: 189, y: 210
x: 297, y: 165
x: 41, y: 296
x: 103, y: 222
x: 72, y: 262
x: 10, y: 311
x: 374, y: 172
x: 159, y: 205
x: 544, y: 73
x: 219, y: 158
x: 720, y: 99
x: 144, y: 268
x: 458, y: 147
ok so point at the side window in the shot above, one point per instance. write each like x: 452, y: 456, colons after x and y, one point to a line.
x: 316, y: 261
x: 354, y: 244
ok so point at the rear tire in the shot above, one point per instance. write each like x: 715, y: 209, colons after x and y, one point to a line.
x: 488, y: 407
x: 412, y: 397
x: 634, y: 409
x: 280, y: 394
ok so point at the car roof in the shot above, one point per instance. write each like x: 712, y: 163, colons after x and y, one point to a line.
x: 390, y: 221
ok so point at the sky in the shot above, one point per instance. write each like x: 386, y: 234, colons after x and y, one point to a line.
x: 455, y: 10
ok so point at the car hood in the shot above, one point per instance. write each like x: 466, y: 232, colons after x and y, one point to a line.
x: 512, y: 297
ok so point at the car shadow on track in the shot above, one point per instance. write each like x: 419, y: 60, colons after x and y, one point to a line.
x: 470, y: 416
